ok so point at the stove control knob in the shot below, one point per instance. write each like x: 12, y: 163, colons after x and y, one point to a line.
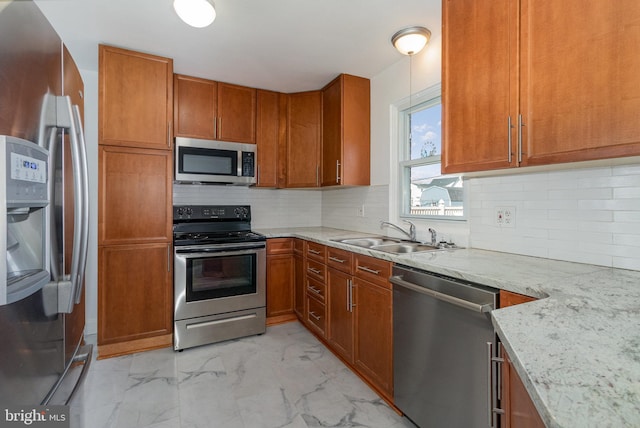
x: 189, y: 211
x: 245, y: 212
x: 238, y: 212
x: 180, y: 211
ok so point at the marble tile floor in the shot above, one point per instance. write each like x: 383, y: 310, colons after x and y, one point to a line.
x: 284, y: 378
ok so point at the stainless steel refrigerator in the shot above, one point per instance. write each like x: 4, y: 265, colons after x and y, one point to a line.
x: 42, y: 354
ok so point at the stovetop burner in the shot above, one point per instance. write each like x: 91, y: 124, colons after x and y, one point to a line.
x: 213, y: 224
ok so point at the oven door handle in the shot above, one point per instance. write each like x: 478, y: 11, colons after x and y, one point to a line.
x: 190, y: 254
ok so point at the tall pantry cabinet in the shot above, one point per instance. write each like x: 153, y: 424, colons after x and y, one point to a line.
x: 135, y: 139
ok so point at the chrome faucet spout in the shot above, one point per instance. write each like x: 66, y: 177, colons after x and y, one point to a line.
x: 412, y: 228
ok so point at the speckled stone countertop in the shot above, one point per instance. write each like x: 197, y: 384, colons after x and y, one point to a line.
x: 577, y: 349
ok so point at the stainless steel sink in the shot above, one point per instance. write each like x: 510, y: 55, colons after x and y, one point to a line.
x: 410, y: 247
x: 388, y: 245
x: 369, y: 242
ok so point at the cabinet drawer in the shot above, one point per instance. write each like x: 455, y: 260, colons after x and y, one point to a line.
x: 340, y: 259
x: 316, y: 251
x: 316, y: 314
x: 316, y: 289
x: 316, y: 270
x: 279, y: 246
x: 373, y: 270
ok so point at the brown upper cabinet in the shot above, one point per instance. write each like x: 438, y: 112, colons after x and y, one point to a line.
x: 346, y: 129
x: 304, y: 130
x: 532, y: 82
x: 269, y: 134
x: 136, y: 111
x: 212, y: 110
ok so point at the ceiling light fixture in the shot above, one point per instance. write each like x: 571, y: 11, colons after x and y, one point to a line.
x: 197, y: 13
x: 410, y: 41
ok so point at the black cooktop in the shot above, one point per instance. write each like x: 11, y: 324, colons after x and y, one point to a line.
x: 213, y: 224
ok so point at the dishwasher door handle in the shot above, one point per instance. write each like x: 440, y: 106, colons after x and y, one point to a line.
x: 397, y: 280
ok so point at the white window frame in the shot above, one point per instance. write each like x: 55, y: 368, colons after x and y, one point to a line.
x: 432, y: 96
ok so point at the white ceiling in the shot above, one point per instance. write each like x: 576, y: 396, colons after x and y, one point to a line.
x: 282, y: 45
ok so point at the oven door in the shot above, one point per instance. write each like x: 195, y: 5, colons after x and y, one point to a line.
x: 216, y: 279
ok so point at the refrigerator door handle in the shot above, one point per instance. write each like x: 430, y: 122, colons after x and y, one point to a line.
x: 66, y: 121
x: 84, y: 171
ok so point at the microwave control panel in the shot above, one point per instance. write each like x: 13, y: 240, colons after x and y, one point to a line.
x: 248, y: 164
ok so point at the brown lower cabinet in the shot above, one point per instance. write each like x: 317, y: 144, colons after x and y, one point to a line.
x: 299, y: 275
x: 136, y: 297
x: 519, y: 410
x: 373, y: 323
x: 348, y: 305
x: 280, y: 280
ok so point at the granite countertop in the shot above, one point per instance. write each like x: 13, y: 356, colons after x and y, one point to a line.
x: 577, y: 349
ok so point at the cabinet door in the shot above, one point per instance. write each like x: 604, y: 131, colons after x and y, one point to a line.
x: 519, y: 410
x: 303, y: 139
x: 373, y: 352
x: 299, y: 285
x: 135, y: 195
x: 339, y: 313
x: 135, y: 292
x: 332, y: 133
x: 346, y: 128
x: 479, y: 85
x: 195, y: 107
x: 135, y: 99
x: 267, y: 137
x: 280, y: 277
x: 236, y: 113
x: 580, y: 83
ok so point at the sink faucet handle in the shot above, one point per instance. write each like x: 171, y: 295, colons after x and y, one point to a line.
x: 412, y: 229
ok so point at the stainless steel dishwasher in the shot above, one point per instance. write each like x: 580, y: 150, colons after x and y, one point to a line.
x: 441, y: 331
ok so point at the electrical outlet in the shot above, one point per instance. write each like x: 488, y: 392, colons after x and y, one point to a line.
x: 505, y: 216
x: 361, y: 211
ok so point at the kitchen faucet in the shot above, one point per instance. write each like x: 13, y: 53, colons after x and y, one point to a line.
x: 434, y: 237
x: 412, y: 228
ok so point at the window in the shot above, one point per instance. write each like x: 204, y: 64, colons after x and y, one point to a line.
x: 424, y: 191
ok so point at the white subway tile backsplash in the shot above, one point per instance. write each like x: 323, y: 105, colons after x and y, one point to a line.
x: 588, y: 215
x: 270, y: 208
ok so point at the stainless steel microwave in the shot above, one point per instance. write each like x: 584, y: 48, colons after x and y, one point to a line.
x: 215, y: 162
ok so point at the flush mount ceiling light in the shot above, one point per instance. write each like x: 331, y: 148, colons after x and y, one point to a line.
x: 197, y: 13
x: 410, y: 41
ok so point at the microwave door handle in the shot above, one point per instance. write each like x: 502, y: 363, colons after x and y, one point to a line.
x: 84, y: 171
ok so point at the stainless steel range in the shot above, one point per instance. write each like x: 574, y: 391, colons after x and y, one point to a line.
x: 219, y: 275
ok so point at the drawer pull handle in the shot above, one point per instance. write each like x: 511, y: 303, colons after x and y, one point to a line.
x: 314, y: 316
x: 366, y: 269
x: 315, y: 290
x: 335, y: 259
x: 314, y: 251
x: 316, y: 271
